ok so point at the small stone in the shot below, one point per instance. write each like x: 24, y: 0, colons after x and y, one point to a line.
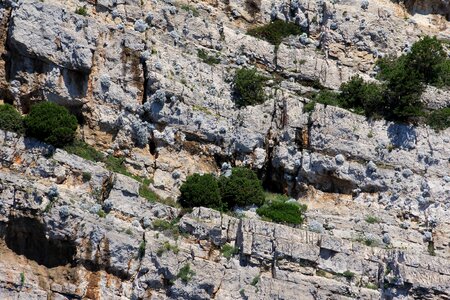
x: 140, y: 25
x: 64, y: 211
x: 386, y: 238
x: 340, y: 159
x: 407, y: 173
x: 427, y: 236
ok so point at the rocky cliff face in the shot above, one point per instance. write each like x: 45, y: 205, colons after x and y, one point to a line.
x: 130, y: 71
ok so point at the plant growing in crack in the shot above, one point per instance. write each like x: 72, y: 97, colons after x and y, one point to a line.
x: 185, y: 273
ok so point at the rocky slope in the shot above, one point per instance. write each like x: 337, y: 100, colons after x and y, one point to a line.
x: 130, y: 71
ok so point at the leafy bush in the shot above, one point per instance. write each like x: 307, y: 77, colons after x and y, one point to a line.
x: 439, y: 119
x: 283, y: 212
x: 51, y: 123
x: 425, y: 57
x: 362, y: 97
x: 241, y: 188
x: 403, y: 88
x: 327, y: 97
x: 10, y: 119
x: 275, y: 31
x: 84, y: 150
x: 201, y: 190
x: 249, y: 87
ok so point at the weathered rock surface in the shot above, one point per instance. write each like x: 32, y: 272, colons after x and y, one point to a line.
x: 57, y: 244
x: 130, y: 71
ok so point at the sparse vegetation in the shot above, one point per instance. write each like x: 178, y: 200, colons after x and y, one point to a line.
x: 22, y: 278
x: 372, y: 220
x: 207, y: 58
x: 82, y: 11
x: 167, y: 247
x: 147, y: 193
x: 348, y: 274
x: 51, y: 123
x: 141, y: 251
x: 167, y: 227
x: 10, y: 119
x: 249, y: 87
x: 275, y: 31
x: 86, y: 176
x: 185, y: 273
x: 229, y: 251
x: 255, y: 280
x: 371, y: 286
x: 116, y: 164
x: 101, y: 213
x: 84, y: 150
x: 190, y: 8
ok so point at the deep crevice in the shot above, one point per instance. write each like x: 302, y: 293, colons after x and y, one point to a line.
x: 27, y: 236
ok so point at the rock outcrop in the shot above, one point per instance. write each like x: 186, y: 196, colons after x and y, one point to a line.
x: 132, y: 73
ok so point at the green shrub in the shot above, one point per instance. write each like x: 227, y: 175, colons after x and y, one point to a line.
x: 283, y: 212
x: 360, y: 96
x: 188, y: 8
x: 403, y: 88
x: 249, y: 87
x: 141, y: 251
x: 206, y: 58
x: 10, y: 119
x: 372, y: 220
x: 229, y: 251
x: 439, y: 119
x: 82, y: 11
x: 241, y: 188
x: 309, y: 107
x: 348, y: 274
x: 327, y: 97
x: 275, y: 31
x: 426, y: 55
x: 166, y: 247
x: 51, y: 123
x: 185, y: 273
x: 84, y: 150
x: 255, y: 280
x: 86, y: 176
x: 116, y: 164
x: 200, y: 190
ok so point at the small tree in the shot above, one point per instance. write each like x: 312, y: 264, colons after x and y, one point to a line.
x: 426, y: 54
x: 249, y: 87
x: 200, y: 190
x: 10, y: 119
x: 51, y: 123
x: 242, y: 188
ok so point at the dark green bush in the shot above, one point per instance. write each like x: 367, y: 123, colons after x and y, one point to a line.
x: 249, y: 87
x: 362, y: 97
x: 403, y: 88
x: 327, y: 97
x: 439, y: 119
x: 275, y: 31
x: 242, y: 188
x: 51, y: 123
x: 283, y: 212
x: 10, y: 119
x: 185, y: 273
x: 201, y: 190
x: 425, y: 57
